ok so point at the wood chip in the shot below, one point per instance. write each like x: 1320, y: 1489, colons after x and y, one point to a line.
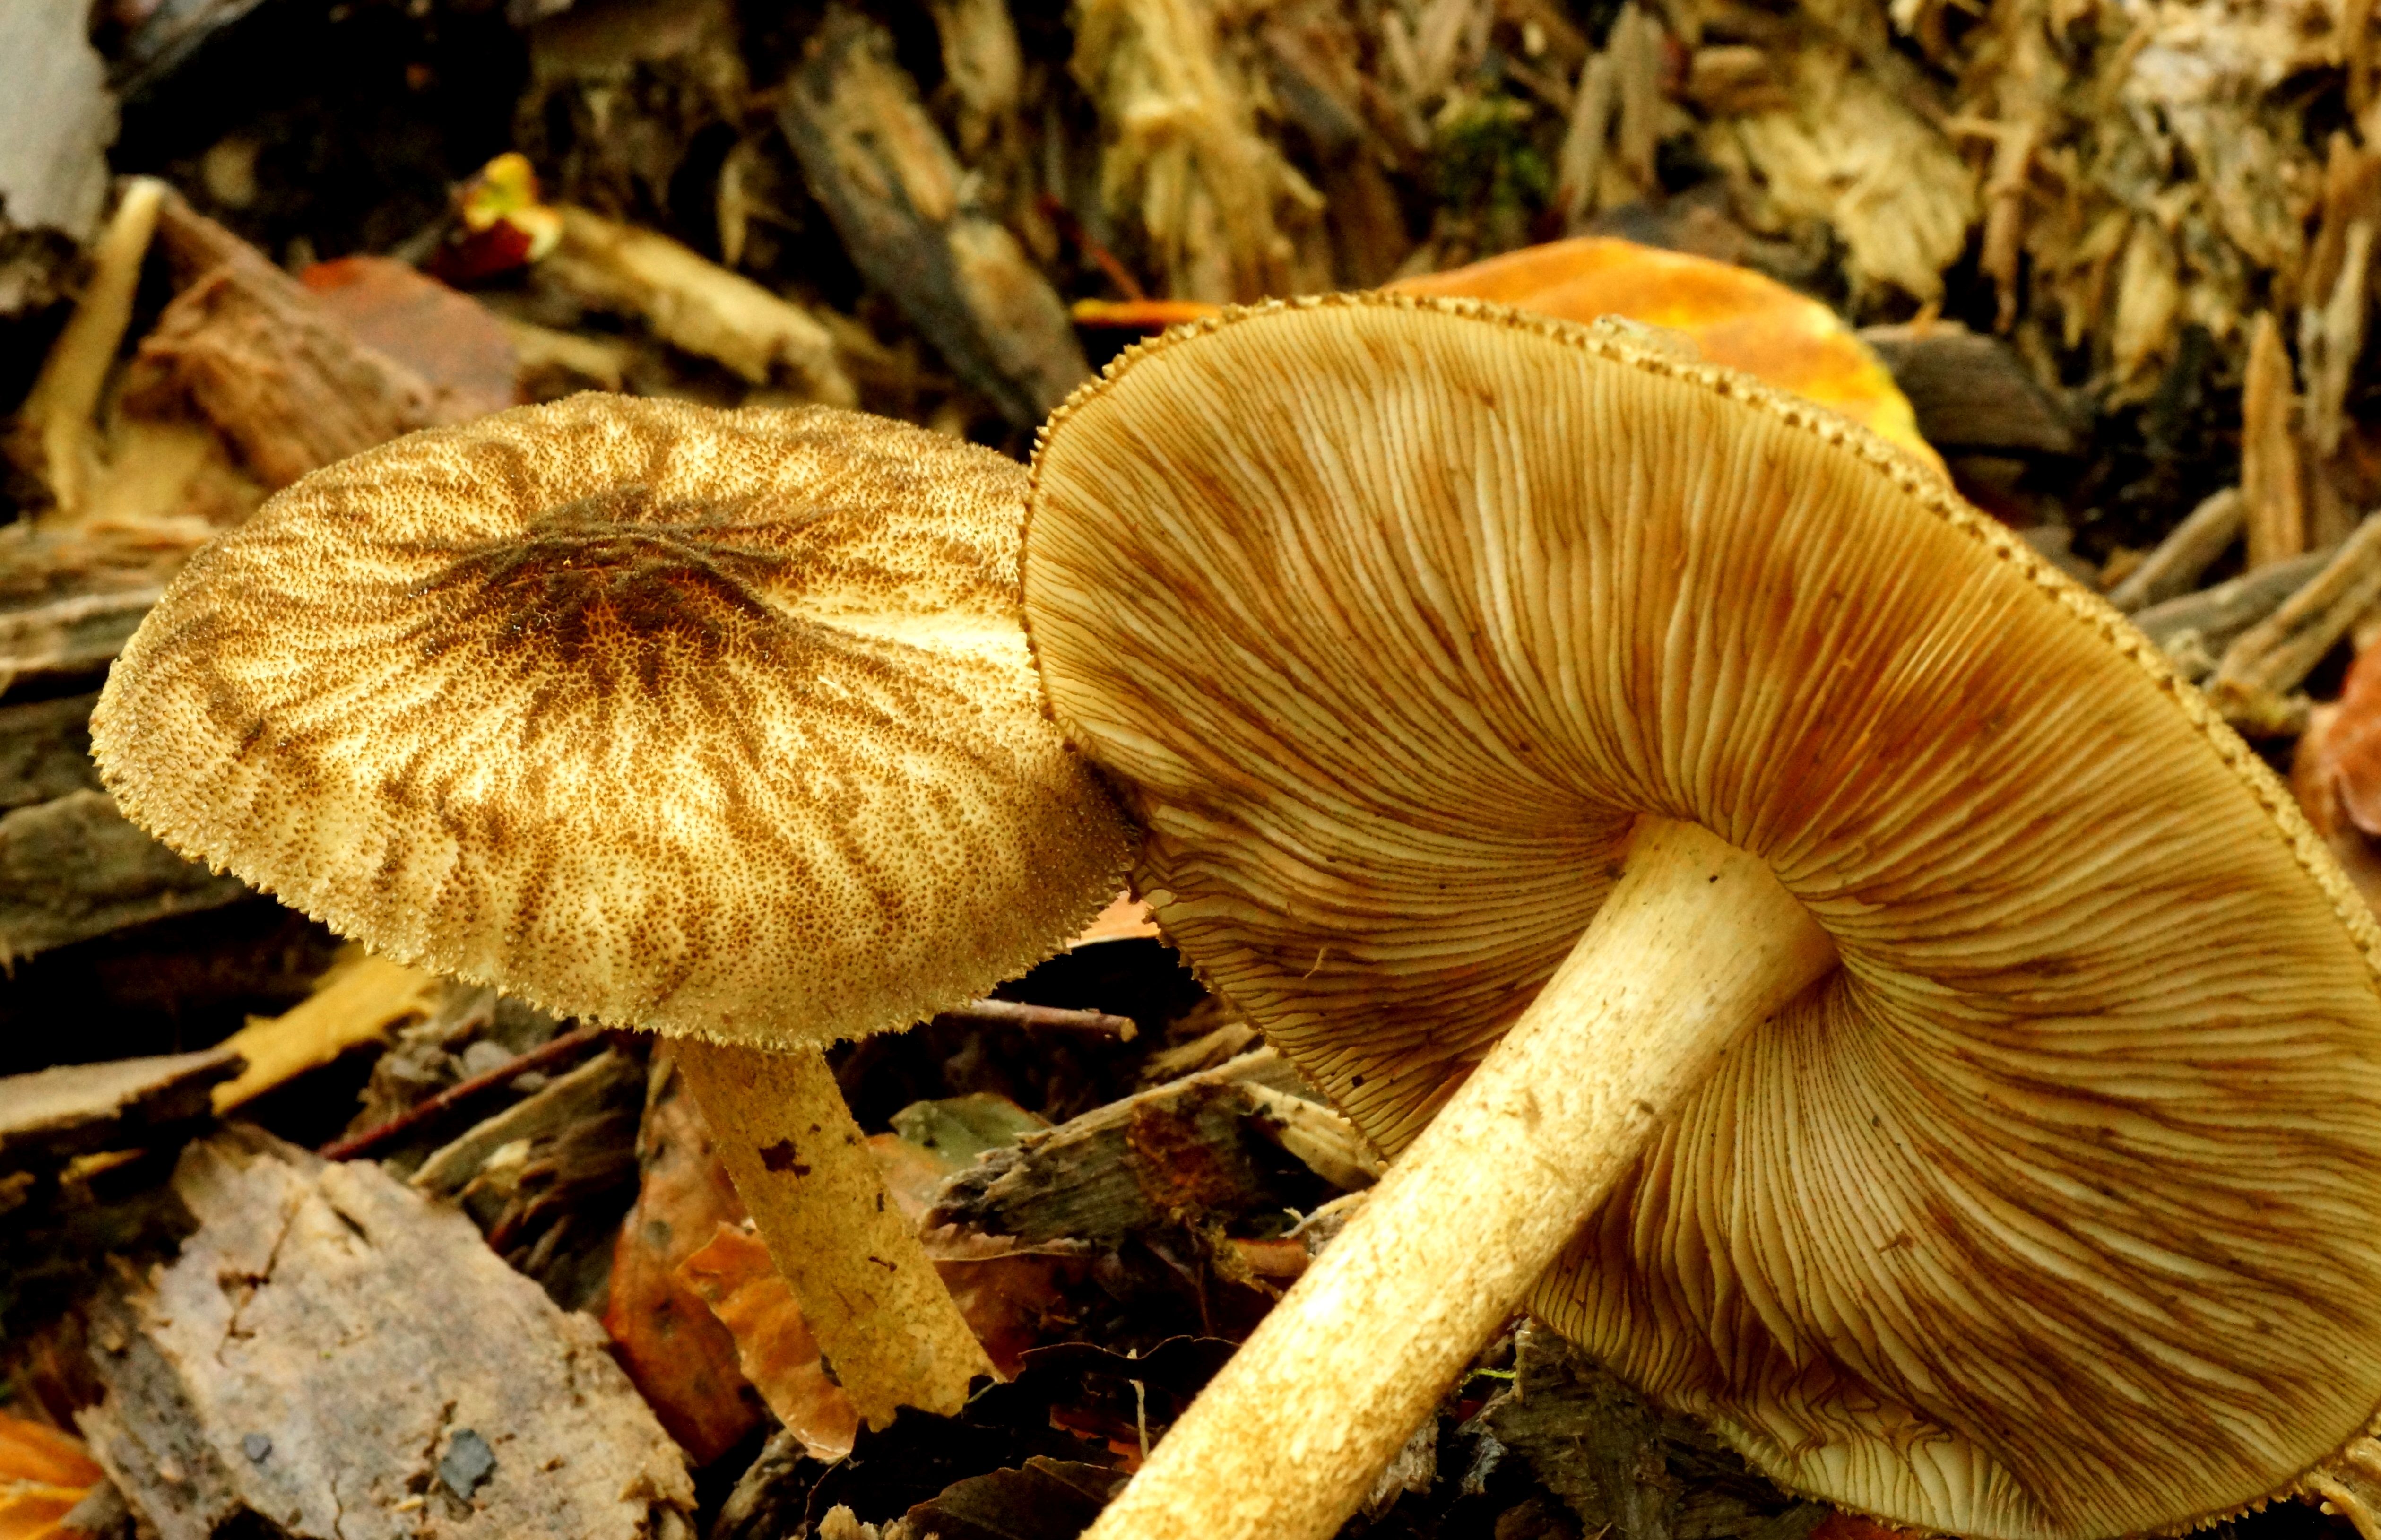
x: 286, y: 382
x: 45, y: 750
x: 48, y: 1117
x: 2269, y: 450
x: 2195, y: 629
x: 694, y: 303
x: 2189, y: 550
x: 72, y: 868
x: 364, y: 999
x: 334, y: 1355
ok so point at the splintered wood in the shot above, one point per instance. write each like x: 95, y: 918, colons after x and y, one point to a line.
x: 332, y: 1357
x: 907, y: 214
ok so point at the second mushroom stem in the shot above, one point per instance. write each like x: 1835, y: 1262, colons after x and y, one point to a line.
x: 887, y: 1327
x: 1697, y: 943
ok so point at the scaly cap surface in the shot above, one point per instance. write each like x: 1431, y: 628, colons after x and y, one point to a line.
x: 713, y: 723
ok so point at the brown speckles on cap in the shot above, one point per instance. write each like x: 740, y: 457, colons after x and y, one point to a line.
x: 713, y: 723
x: 2055, y: 1212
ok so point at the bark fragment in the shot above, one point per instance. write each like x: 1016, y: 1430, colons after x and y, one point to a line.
x: 320, y: 1356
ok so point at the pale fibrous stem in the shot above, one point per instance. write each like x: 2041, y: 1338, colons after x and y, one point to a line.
x: 887, y: 1327
x: 1697, y: 943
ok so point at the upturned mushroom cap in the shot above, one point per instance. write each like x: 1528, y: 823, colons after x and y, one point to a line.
x: 2056, y: 1210
x: 714, y: 723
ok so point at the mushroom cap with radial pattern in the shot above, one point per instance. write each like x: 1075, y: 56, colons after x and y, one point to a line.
x: 2054, y: 1210
x: 719, y: 724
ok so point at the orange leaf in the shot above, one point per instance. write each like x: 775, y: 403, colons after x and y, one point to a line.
x: 1736, y: 317
x: 44, y: 1474
x: 2337, y: 774
x: 735, y: 1277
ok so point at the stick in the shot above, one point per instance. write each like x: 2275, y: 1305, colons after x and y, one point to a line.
x: 2221, y: 613
x: 2269, y: 450
x: 2270, y: 658
x: 553, y: 1053
x: 2173, y: 568
x: 1123, y: 1028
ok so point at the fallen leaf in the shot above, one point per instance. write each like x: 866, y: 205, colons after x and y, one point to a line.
x: 2337, y: 774
x: 1125, y: 919
x: 452, y: 341
x: 1734, y: 316
x: 734, y: 1275
x: 44, y: 1474
x: 1047, y: 1499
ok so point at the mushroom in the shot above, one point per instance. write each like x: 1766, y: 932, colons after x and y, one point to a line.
x: 1824, y: 961
x: 716, y: 724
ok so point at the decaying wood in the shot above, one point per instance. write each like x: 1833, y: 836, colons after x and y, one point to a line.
x: 609, y: 1083
x: 2195, y: 629
x: 902, y: 204
x: 77, y: 634
x: 287, y: 383
x: 72, y: 868
x: 694, y: 303
x: 1971, y: 392
x: 1624, y: 1468
x: 45, y: 750
x: 2190, y: 549
x: 49, y: 1118
x: 1185, y: 1150
x: 332, y: 1355
x: 2275, y: 498
x: 2268, y: 660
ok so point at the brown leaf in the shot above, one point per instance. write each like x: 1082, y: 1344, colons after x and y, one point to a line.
x: 663, y: 1330
x: 453, y: 342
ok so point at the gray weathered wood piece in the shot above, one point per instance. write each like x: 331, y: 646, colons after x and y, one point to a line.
x: 54, y: 1115
x: 45, y: 750
x: 1971, y: 392
x: 76, y: 634
x: 333, y: 1356
x: 2217, y: 615
x: 72, y: 868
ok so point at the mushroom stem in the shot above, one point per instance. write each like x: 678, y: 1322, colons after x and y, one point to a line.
x: 1698, y: 942
x: 887, y: 1329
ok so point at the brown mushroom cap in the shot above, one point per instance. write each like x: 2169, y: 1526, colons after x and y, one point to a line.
x: 2056, y: 1210
x: 714, y: 723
